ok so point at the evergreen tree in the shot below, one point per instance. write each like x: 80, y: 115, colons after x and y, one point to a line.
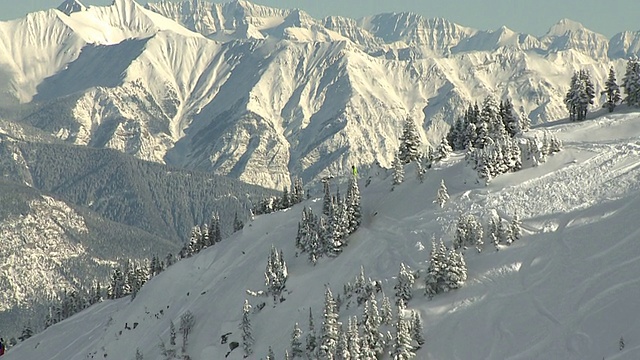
x: 215, y: 231
x: 435, y: 276
x: 372, y: 340
x: 402, y: 349
x: 409, y: 142
x: 245, y: 327
x: 417, y: 328
x: 187, y: 321
x: 352, y: 203
x: 456, y: 271
x: 611, y: 91
x: 270, y: 354
x: 327, y: 203
x: 172, y: 333
x: 117, y: 285
x: 386, y: 314
x: 276, y: 273
x: 311, y: 338
x: 512, y: 123
x: 286, y: 200
x: 516, y: 228
x: 631, y: 82
x: 139, y: 354
x: 398, y: 171
x: 342, y: 348
x: 443, y: 150
x: 404, y: 286
x: 329, y: 332
x: 505, y: 233
x: 443, y: 195
x: 237, y: 223
x: 296, y: 343
x: 354, y: 339
x: 195, y: 243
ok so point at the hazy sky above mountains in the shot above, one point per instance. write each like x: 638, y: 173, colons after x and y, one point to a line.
x: 534, y: 17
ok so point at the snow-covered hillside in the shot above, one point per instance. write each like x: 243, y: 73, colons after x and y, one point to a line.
x: 263, y: 94
x: 566, y: 290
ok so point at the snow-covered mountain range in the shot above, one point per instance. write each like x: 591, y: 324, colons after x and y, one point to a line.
x: 566, y: 290
x: 263, y: 94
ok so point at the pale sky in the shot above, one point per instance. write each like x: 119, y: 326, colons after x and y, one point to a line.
x: 535, y: 17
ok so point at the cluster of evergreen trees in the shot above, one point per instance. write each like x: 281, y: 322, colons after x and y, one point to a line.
x: 202, y: 237
x: 492, y: 137
x: 289, y: 198
x: 447, y: 270
x: 327, y: 234
x: 481, y: 127
x: 581, y: 91
x: 276, y: 273
x: 580, y: 95
x: 377, y: 331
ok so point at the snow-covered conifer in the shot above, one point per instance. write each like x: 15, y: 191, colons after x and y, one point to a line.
x: 245, y: 328
x: 631, y: 82
x: 270, y: 354
x: 215, y: 231
x: 237, y: 223
x: 469, y: 232
x: 329, y: 334
x: 373, y: 340
x: 580, y: 95
x: 417, y: 328
x: 276, y: 272
x: 311, y: 340
x: 354, y: 339
x: 352, y: 204
x: 172, y: 333
x: 443, y: 195
x: 342, y: 347
x: 402, y: 349
x: 296, y: 342
x: 187, y: 321
x: 516, y: 228
x: 398, y: 171
x: 456, y: 273
x: 409, y: 142
x: 512, y: 123
x: 404, y: 285
x: 611, y: 91
x: 443, y: 150
x: 386, y: 313
x: 327, y: 199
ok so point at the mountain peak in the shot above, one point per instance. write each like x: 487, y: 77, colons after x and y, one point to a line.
x: 70, y: 6
x: 564, y: 26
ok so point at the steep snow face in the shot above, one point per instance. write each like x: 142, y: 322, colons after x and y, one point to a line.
x: 565, y: 290
x: 625, y: 45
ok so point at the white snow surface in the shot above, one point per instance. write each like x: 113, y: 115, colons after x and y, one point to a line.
x: 567, y: 290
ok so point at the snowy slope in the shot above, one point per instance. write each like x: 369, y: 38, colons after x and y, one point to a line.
x: 239, y: 88
x: 566, y: 290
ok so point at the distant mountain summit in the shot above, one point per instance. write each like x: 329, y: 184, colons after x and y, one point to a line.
x: 70, y: 6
